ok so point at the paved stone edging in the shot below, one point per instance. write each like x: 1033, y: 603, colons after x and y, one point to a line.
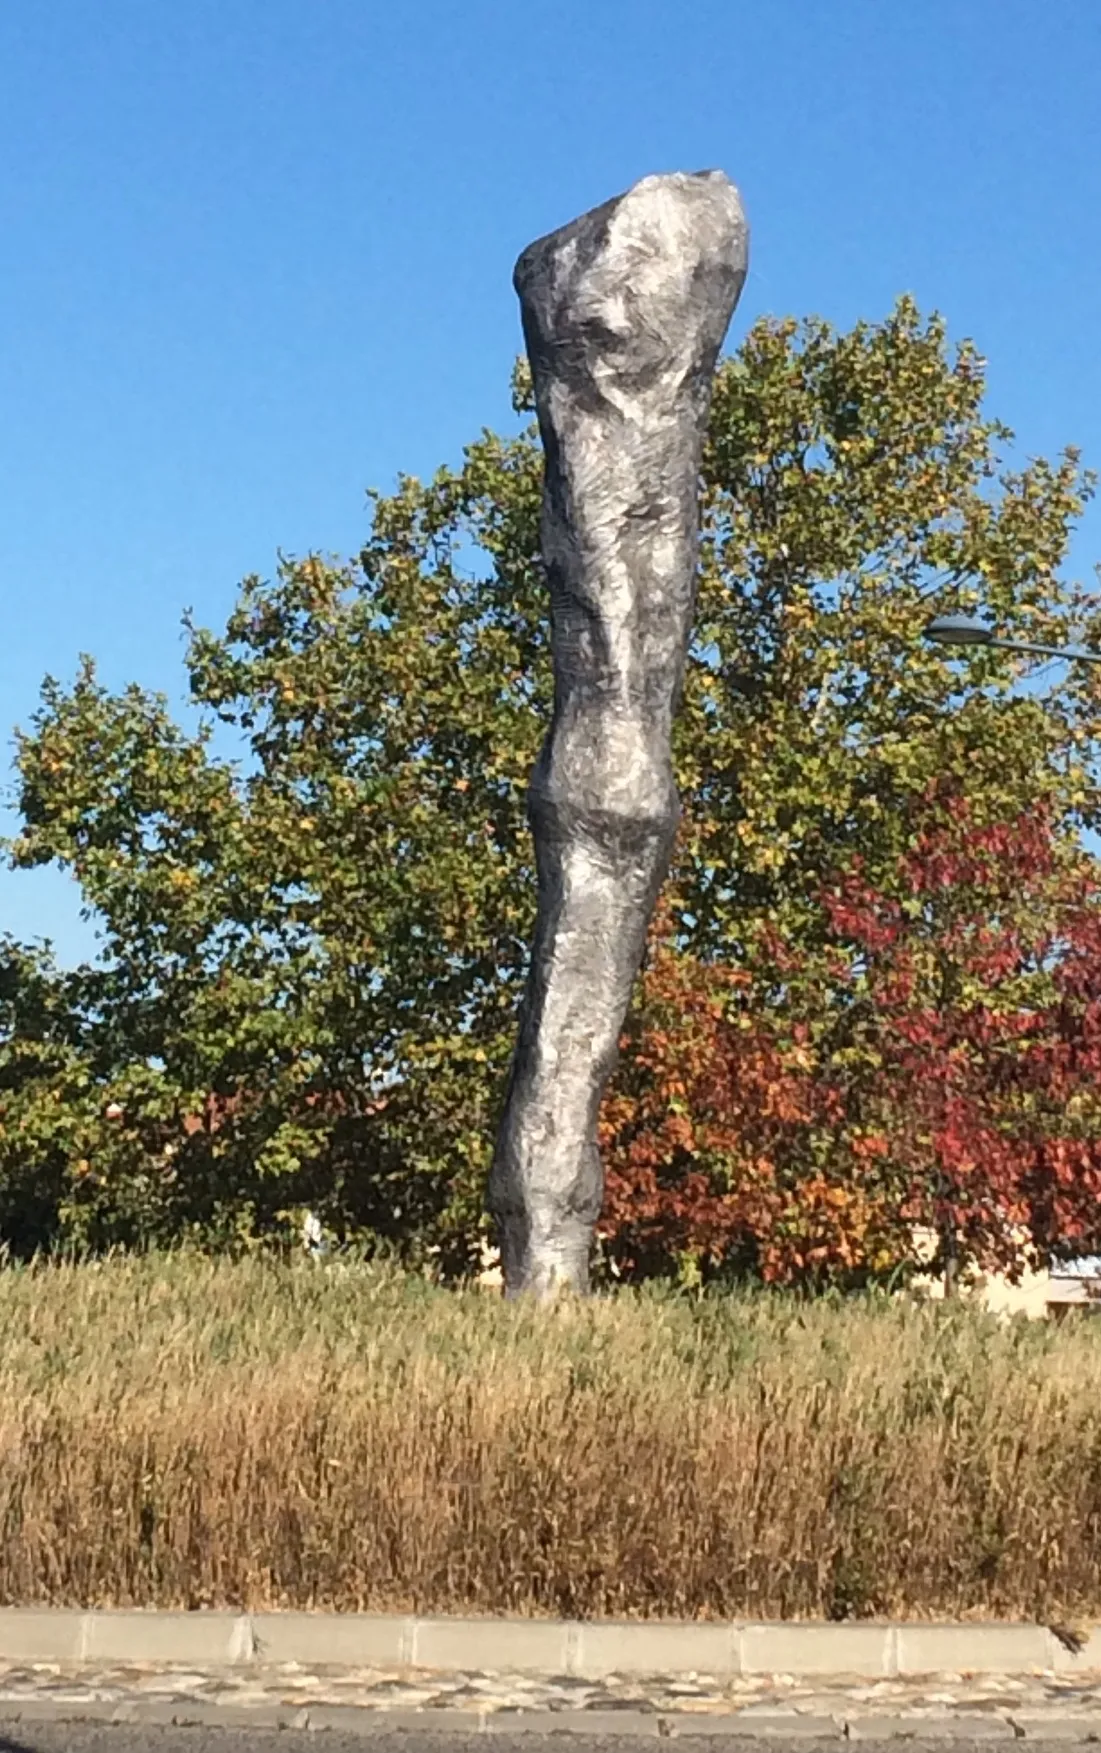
x: 588, y: 1649
x: 1039, y: 1707
x: 939, y: 1727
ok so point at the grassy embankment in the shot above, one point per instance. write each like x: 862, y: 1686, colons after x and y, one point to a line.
x: 180, y: 1432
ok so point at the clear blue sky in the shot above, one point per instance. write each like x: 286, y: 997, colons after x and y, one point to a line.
x: 257, y: 257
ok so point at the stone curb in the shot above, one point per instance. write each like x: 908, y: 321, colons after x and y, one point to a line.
x: 657, y: 1725
x: 589, y: 1650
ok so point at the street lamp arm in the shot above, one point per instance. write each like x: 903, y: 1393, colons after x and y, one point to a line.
x: 1066, y: 653
x: 963, y: 630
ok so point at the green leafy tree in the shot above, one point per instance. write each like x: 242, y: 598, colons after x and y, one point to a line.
x: 313, y: 952
x: 45, y: 1080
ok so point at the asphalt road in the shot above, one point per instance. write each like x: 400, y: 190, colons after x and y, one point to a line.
x: 135, y: 1738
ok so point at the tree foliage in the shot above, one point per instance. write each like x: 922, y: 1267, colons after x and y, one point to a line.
x: 313, y: 944
x: 933, y: 1075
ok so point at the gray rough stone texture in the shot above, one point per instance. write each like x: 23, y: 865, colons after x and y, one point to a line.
x: 624, y: 312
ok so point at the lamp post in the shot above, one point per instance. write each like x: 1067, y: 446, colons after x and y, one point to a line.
x: 962, y: 630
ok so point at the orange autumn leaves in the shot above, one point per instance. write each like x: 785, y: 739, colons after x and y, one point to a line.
x: 931, y: 1065
x: 701, y: 1133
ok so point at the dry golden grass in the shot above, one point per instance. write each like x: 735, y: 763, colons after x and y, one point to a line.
x: 177, y: 1431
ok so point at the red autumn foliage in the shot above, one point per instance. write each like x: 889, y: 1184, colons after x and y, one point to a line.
x: 933, y: 1063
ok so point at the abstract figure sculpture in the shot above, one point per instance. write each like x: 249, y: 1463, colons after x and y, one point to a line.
x: 624, y: 312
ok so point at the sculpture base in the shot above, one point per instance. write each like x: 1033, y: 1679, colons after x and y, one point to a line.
x: 545, y: 1267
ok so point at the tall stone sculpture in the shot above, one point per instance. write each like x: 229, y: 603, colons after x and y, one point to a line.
x: 624, y: 312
